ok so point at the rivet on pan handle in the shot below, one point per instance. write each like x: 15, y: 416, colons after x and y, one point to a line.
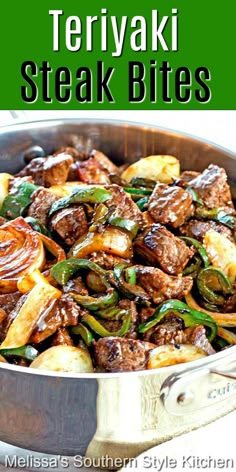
x: 191, y: 390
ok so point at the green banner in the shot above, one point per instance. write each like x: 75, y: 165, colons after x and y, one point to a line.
x: 155, y: 54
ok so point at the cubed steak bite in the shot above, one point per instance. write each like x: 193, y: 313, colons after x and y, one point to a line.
x: 170, y: 205
x: 161, y: 286
x: 114, y: 354
x: 159, y: 247
x: 212, y: 187
x: 47, y: 171
x: 42, y: 200
x: 197, y: 229
x: 70, y: 223
x: 172, y: 331
x: 123, y: 205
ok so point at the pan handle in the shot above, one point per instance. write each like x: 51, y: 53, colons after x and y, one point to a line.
x: 201, y: 387
x: 228, y: 375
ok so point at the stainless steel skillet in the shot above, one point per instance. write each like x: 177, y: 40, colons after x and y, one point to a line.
x: 116, y: 414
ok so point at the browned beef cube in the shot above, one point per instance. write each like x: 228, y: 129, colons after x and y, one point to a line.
x: 160, y: 247
x: 170, y: 331
x: 105, y: 260
x: 11, y: 304
x: 197, y: 229
x: 146, y: 313
x: 70, y: 223
x: 42, y: 200
x: 114, y: 354
x: 65, y: 312
x: 161, y: 286
x: 104, y: 162
x: 123, y: 204
x: 8, y: 301
x: 170, y: 205
x: 91, y: 172
x: 197, y: 335
x: 75, y: 285
x: 47, y: 171
x: 62, y: 338
x: 212, y: 187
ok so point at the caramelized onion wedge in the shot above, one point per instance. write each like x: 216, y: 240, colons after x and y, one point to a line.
x: 222, y: 319
x: 40, y: 299
x: 27, y: 282
x: 4, y: 184
x: 53, y: 248
x: 112, y: 240
x: 168, y: 354
x: 64, y: 359
x: 21, y: 252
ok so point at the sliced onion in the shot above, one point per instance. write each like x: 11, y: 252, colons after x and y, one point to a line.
x: 168, y: 354
x: 64, y: 359
x: 27, y: 282
x: 221, y: 319
x: 21, y: 252
x: 40, y: 300
x: 112, y: 240
x: 227, y: 335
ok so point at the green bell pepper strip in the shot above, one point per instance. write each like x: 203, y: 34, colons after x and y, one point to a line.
x: 207, y: 293
x: 141, y: 203
x: 15, y: 205
x: 124, y: 223
x: 130, y: 275
x: 138, y: 191
x: 92, y: 303
x: 217, y: 214
x: 142, y: 182
x: 194, y: 267
x: 84, y: 332
x: 37, y: 226
x: 111, y: 313
x: 199, y: 247
x: 64, y: 270
x: 190, y: 317
x: 103, y: 332
x: 82, y: 195
x: 26, y: 352
x: 132, y: 292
